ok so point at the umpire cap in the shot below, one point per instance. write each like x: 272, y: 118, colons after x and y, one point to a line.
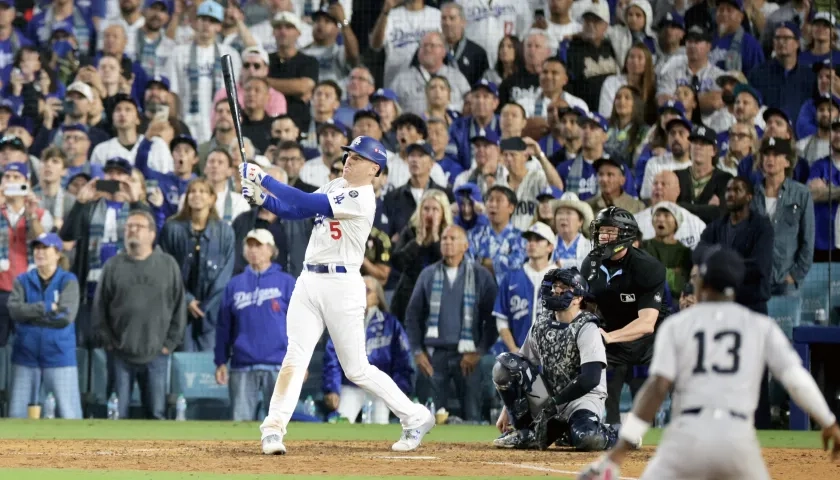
x: 720, y: 268
x: 370, y: 149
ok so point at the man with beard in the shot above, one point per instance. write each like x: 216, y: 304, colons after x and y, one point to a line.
x: 823, y: 184
x: 334, y: 60
x: 151, y: 47
x: 676, y: 158
x: 590, y: 58
x: 747, y: 106
x: 734, y: 48
x: 671, y: 33
x: 524, y: 85
x: 784, y: 82
x: 693, y: 70
x: 818, y: 145
x: 195, y: 69
x: 139, y: 335
x: 563, y: 141
x: 806, y: 120
x: 702, y: 185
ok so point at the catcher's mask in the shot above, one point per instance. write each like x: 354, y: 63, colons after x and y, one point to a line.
x: 569, y: 277
x: 627, y: 227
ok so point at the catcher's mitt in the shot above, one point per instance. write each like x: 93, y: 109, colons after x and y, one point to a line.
x: 544, y: 433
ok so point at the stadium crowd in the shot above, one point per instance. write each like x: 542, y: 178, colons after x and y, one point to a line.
x: 509, y: 125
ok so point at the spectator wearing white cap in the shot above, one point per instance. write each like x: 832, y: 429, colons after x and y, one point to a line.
x: 571, y: 221
x: 151, y: 47
x: 399, y: 29
x: 518, y: 304
x: 290, y: 71
x: 235, y: 33
x: 695, y: 70
x: 822, y: 44
x: 254, y: 64
x: 195, y: 70
x: 487, y: 24
x: 334, y: 60
x: 77, y: 105
x: 128, y: 143
x: 131, y: 18
x: 264, y: 31
x: 410, y: 83
x: 674, y: 256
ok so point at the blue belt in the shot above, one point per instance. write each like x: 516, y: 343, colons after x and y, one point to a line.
x: 324, y: 268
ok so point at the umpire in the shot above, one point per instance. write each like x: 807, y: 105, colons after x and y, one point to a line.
x: 628, y: 285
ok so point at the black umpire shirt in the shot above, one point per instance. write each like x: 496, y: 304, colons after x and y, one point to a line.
x: 622, y: 288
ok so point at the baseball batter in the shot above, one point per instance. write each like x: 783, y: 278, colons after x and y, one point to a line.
x: 331, y: 292
x: 713, y: 355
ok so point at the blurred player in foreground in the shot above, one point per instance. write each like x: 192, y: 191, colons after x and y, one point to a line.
x: 713, y: 355
x: 566, y: 400
x: 331, y: 292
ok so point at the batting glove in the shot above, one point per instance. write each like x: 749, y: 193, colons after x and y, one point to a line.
x: 601, y: 469
x: 251, y: 172
x: 252, y: 192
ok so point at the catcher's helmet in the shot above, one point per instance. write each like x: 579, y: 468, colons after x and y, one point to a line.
x: 570, y: 277
x: 627, y: 230
x: 368, y: 148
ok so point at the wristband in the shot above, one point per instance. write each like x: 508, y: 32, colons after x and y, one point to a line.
x: 633, y: 429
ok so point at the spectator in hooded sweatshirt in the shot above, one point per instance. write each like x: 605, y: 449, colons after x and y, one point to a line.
x: 470, y: 207
x: 251, y: 329
x: 387, y: 348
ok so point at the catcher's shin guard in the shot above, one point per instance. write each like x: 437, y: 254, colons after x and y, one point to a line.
x: 513, y: 376
x: 588, y: 434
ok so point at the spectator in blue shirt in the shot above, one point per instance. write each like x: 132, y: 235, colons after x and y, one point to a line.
x: 483, y: 101
x: 806, y: 120
x: 822, y: 46
x: 498, y: 246
x: 387, y: 349
x: 251, y: 327
x: 825, y: 172
x: 782, y: 81
x: 734, y: 48
x: 43, y: 304
x: 470, y: 208
x: 62, y: 15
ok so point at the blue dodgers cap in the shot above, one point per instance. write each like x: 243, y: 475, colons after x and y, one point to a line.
x: 720, y: 268
x: 8, y: 103
x: 739, y: 4
x: 672, y: 19
x: 549, y: 192
x: 792, y: 26
x: 334, y: 125
x: 366, y: 113
x: 183, y: 139
x: 75, y: 127
x: 65, y: 26
x: 470, y: 190
x: 747, y: 88
x: 679, y: 120
x: 770, y: 111
x: 48, y: 240
x: 827, y: 98
x: 384, y: 94
x: 19, y: 167
x: 159, y: 80
x: 169, y: 5
x: 486, y: 135
x: 211, y: 9
x: 594, y: 117
x: 424, y: 147
x: 674, y: 106
x: 370, y: 149
x: 25, y: 123
x: 486, y: 85
x: 118, y: 163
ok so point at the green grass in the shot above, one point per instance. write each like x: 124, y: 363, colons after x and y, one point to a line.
x: 204, y: 431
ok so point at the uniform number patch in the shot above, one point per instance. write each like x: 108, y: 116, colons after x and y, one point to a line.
x: 335, y: 232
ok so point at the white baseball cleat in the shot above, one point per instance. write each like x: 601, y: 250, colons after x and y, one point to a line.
x: 411, y: 437
x: 273, y: 445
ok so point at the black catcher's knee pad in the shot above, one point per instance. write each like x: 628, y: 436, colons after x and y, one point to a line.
x: 587, y: 432
x: 513, y: 376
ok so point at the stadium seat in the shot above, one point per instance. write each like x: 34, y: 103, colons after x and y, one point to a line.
x: 815, y: 290
x: 194, y: 376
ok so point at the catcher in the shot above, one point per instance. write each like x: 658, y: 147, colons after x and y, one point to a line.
x: 564, y: 403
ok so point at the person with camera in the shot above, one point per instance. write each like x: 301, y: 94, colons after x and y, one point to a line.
x: 628, y: 285
x: 95, y: 227
x: 21, y: 220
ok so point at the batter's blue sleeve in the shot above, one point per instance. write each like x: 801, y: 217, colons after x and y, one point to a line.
x: 295, y: 204
x: 401, y: 370
x: 332, y: 370
x: 224, y: 329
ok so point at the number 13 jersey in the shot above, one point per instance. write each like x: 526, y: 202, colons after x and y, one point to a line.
x: 342, y: 239
x: 715, y: 354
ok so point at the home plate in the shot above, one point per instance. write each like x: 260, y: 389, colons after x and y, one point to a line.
x: 407, y: 458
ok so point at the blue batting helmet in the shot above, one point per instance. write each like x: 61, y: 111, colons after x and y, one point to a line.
x: 369, y: 149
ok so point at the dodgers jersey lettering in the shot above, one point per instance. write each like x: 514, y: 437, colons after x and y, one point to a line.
x: 342, y: 239
x: 715, y: 354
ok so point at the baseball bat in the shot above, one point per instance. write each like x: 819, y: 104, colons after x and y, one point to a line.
x: 233, y: 102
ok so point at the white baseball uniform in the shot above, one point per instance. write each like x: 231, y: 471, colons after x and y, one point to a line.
x: 715, y: 354
x: 335, y: 299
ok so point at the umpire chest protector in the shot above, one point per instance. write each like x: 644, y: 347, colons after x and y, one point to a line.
x: 557, y: 343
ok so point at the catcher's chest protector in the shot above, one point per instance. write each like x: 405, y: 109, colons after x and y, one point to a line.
x: 558, y: 348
